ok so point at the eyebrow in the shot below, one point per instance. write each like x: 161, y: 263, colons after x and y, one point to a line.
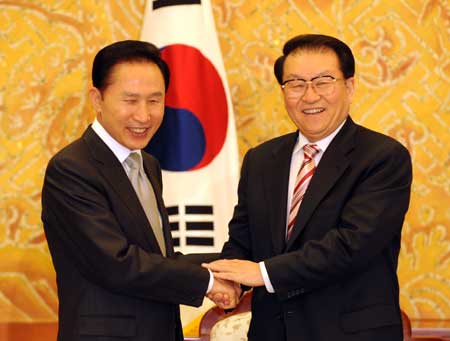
x: 320, y: 74
x: 133, y: 94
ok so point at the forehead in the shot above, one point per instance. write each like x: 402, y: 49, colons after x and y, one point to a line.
x: 311, y: 63
x: 134, y: 70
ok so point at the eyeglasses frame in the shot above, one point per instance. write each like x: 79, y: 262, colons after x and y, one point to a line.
x: 311, y: 83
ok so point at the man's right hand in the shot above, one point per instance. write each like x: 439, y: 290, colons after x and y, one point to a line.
x: 225, y: 294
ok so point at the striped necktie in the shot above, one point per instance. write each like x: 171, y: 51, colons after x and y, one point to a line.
x: 301, y: 183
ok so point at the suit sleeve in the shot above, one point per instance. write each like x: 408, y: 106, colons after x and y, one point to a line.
x: 199, y: 258
x: 82, y: 228
x: 369, y: 225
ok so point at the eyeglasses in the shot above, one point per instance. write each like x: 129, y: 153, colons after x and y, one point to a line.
x: 322, y: 85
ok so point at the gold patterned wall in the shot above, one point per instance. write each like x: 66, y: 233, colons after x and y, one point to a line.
x: 403, y: 89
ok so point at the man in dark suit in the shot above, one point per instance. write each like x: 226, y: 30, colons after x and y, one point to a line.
x: 318, y: 222
x: 117, y: 274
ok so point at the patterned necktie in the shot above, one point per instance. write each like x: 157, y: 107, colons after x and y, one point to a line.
x: 301, y: 183
x: 146, y: 195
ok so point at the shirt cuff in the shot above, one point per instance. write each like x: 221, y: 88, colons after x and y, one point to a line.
x: 211, y: 282
x: 266, y: 278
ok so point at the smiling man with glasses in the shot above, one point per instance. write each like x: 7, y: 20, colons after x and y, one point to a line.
x: 317, y: 83
x: 317, y: 227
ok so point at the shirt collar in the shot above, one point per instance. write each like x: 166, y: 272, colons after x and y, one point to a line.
x: 322, y: 144
x: 120, y: 151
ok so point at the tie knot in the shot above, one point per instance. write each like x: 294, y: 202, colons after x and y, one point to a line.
x: 133, y: 161
x: 310, y: 150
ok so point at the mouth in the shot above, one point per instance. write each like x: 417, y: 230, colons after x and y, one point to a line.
x: 313, y: 111
x: 138, y: 131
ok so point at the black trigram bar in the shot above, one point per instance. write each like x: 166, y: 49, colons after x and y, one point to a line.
x: 199, y: 209
x: 172, y: 210
x: 164, y: 3
x: 200, y: 241
x: 176, y: 242
x: 199, y: 226
x: 174, y: 226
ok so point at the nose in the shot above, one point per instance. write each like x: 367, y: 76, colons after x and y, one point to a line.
x: 142, y: 113
x: 310, y: 94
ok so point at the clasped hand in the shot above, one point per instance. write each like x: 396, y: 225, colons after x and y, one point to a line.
x: 228, y: 275
x: 225, y: 294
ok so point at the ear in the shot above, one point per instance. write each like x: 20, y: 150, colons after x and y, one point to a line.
x: 350, y: 86
x: 96, y: 99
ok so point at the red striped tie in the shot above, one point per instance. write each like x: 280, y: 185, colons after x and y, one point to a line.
x: 301, y: 183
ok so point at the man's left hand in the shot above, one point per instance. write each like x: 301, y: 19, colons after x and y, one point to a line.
x: 240, y: 271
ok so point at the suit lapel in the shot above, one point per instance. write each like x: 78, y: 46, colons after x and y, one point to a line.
x: 118, y: 181
x: 331, y: 167
x: 276, y: 183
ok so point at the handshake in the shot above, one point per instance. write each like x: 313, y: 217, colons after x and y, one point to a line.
x: 229, y: 274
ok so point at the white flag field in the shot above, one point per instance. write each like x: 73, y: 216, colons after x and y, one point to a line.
x: 196, y: 144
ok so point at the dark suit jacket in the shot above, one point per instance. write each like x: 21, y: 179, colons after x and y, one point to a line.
x: 335, y: 279
x: 113, y: 282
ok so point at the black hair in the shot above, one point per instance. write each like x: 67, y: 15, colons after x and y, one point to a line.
x: 318, y: 42
x: 126, y: 51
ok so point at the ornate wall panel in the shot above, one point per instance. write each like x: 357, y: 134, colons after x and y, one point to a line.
x: 403, y: 82
x: 46, y: 51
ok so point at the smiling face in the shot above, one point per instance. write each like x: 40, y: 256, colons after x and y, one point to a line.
x: 131, y: 107
x: 317, y: 116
